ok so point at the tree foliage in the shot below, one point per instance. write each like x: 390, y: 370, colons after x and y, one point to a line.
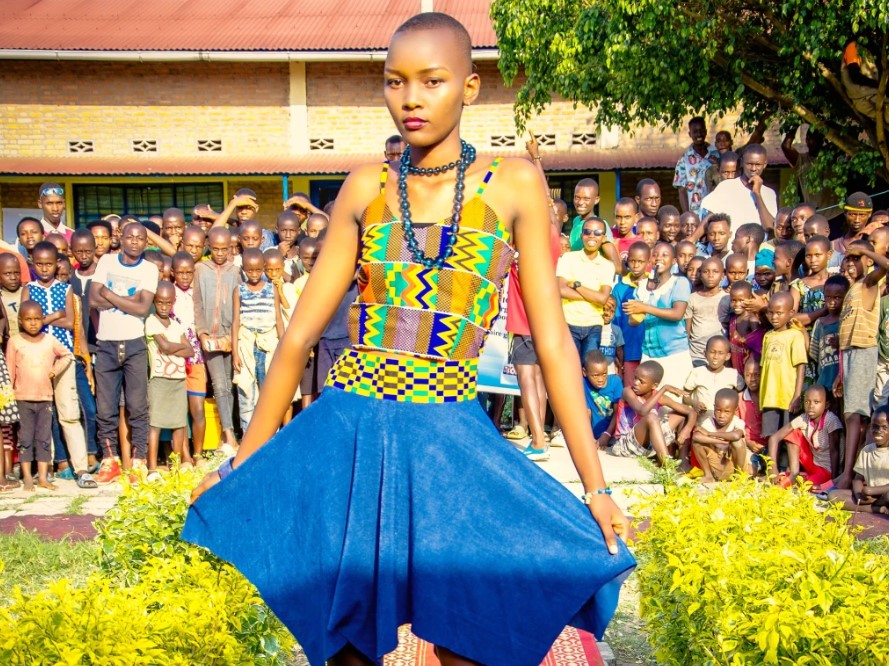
x: 659, y: 61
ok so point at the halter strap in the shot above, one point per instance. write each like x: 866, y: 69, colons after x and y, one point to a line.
x: 488, y: 176
x: 384, y: 176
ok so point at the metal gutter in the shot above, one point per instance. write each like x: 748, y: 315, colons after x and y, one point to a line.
x: 214, y: 56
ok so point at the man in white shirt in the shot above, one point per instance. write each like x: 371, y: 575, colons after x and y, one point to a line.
x: 122, y: 289
x: 746, y: 199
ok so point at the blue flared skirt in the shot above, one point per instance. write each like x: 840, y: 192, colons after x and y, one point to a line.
x: 365, y: 514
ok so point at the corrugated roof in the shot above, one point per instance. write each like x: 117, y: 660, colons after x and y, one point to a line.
x: 218, y: 165
x: 222, y: 25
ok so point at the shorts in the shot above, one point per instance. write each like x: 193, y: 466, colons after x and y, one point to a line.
x: 627, y: 446
x: 721, y: 462
x: 196, y: 379
x: 167, y: 403
x: 522, y: 350
x: 859, y: 379
x: 773, y: 420
x: 329, y: 350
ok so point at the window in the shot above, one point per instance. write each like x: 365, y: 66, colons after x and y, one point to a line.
x: 92, y: 202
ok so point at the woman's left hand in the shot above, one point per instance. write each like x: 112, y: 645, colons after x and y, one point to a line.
x: 611, y: 519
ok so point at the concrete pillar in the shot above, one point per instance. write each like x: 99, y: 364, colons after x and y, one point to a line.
x: 299, y: 112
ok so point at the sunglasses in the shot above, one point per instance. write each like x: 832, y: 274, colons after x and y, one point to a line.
x: 52, y: 192
x: 592, y: 232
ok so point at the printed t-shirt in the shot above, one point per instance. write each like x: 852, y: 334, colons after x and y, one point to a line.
x: 782, y: 352
x: 123, y: 280
x: 11, y: 302
x: 690, y: 173
x: 592, y: 274
x: 161, y: 364
x: 602, y: 402
x: 662, y: 336
x: 612, y: 338
x: 824, y: 351
x: 818, y: 438
x: 873, y: 465
x: 703, y: 383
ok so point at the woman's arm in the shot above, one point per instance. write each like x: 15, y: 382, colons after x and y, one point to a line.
x: 555, y: 348
x: 236, y: 327
x: 279, y: 320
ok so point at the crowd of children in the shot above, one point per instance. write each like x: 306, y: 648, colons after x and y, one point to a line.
x: 774, y: 340
x: 760, y: 348
x: 116, y: 336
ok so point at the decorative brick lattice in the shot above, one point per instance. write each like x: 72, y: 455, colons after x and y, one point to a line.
x: 320, y: 144
x: 79, y: 146
x: 502, y: 141
x: 144, y: 145
x: 583, y: 139
x: 209, y: 145
x: 546, y: 140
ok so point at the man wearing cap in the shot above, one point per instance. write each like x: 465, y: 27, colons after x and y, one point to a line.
x: 51, y: 200
x: 858, y: 208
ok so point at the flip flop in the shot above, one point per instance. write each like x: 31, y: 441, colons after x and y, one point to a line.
x: 86, y: 481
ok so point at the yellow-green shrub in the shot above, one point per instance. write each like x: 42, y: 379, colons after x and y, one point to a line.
x: 753, y: 574
x: 158, y: 601
x: 179, y: 613
x: 146, y: 522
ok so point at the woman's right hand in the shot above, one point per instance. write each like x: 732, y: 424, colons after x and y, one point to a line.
x: 206, y: 483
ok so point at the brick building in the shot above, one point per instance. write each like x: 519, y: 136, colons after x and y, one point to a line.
x: 139, y: 106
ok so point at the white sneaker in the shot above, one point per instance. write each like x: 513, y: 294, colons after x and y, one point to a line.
x: 153, y: 476
x: 557, y: 439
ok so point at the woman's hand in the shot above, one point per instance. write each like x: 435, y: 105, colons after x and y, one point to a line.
x: 611, y: 519
x: 206, y: 483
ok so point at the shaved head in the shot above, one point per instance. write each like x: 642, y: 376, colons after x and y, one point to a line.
x: 429, y: 21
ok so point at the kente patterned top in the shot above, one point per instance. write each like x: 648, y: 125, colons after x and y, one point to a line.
x: 441, y: 314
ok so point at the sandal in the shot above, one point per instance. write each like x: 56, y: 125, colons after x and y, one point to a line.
x: 8, y: 486
x: 518, y: 432
x: 86, y: 481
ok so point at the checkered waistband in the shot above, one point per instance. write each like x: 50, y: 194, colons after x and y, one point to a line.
x: 404, y: 378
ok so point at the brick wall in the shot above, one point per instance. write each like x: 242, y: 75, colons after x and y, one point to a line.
x: 19, y: 194
x: 46, y: 104
x: 269, y: 195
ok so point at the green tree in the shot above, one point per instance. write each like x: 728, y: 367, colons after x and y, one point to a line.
x: 659, y: 61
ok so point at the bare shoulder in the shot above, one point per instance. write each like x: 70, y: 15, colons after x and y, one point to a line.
x: 359, y: 189
x: 514, y: 188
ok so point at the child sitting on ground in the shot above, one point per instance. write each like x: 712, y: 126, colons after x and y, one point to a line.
x: 812, y: 439
x: 705, y: 381
x: 745, y: 327
x: 870, y: 487
x: 824, y: 349
x: 35, y: 359
x: 603, y: 392
x: 647, y: 419
x: 708, y: 310
x: 612, y: 341
x: 718, y: 439
x: 784, y: 357
x: 257, y: 320
x: 168, y: 348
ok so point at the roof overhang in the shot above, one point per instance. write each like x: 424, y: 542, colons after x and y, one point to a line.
x: 214, y: 56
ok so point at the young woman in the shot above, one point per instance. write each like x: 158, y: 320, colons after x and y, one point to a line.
x: 415, y: 510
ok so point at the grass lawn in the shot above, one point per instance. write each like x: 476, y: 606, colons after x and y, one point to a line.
x: 31, y: 562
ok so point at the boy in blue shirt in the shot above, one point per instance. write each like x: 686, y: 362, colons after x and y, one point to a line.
x: 603, y: 392
x: 638, y: 257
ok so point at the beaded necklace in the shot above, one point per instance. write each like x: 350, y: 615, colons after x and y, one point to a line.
x: 467, y: 157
